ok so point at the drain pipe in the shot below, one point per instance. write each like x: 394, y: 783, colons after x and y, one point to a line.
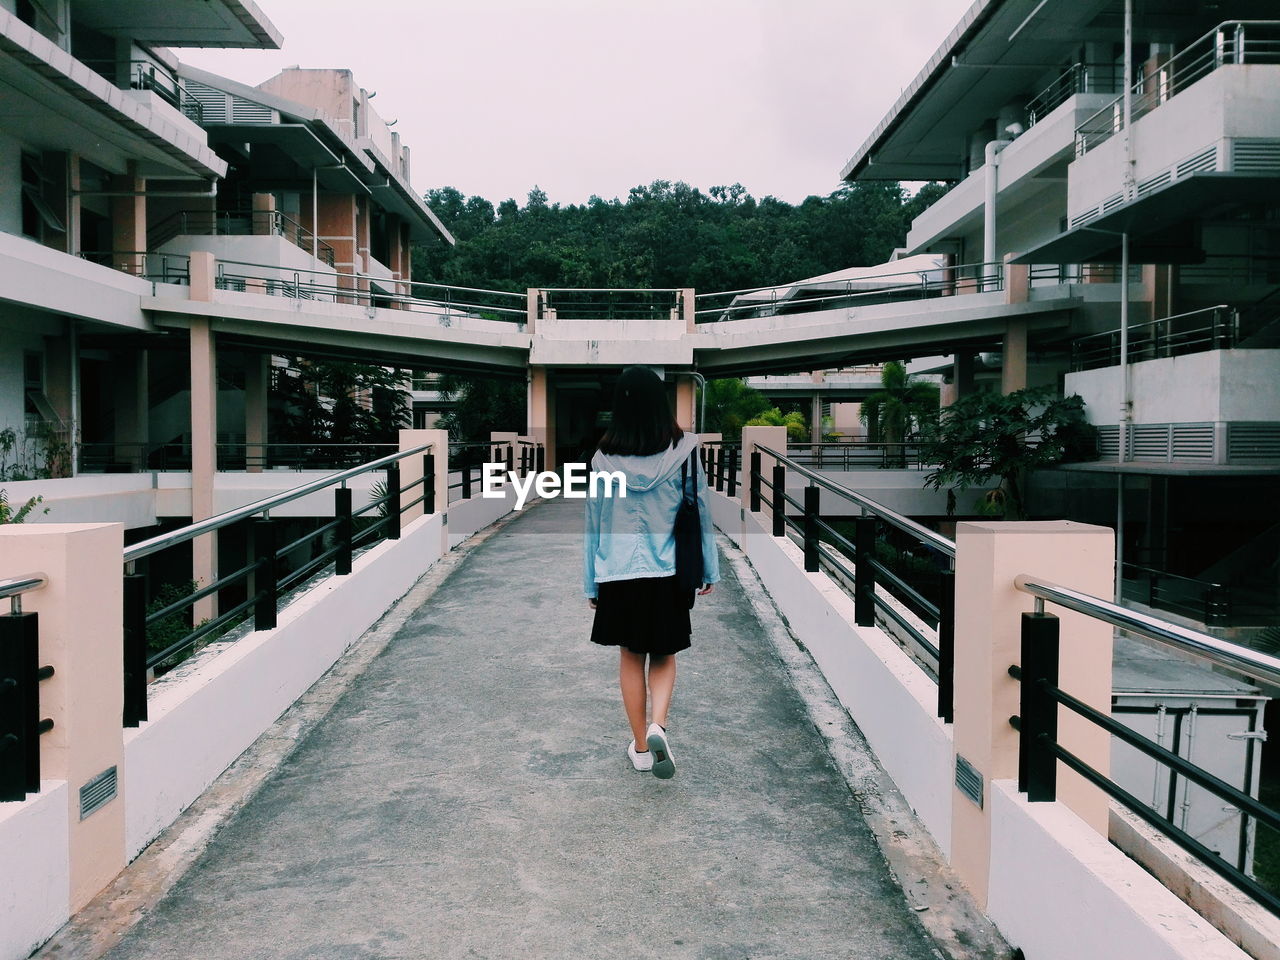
x: 992, y: 159
x: 702, y: 401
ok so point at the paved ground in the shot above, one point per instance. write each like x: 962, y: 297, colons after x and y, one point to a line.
x: 470, y: 796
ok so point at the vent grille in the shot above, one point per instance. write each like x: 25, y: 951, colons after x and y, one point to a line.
x: 1193, y: 441
x: 1206, y: 159
x: 1112, y: 202
x: 1253, y: 442
x: 97, y: 793
x: 1255, y: 156
x: 968, y: 780
x: 1155, y: 183
x: 246, y: 111
x: 218, y: 106
x: 1109, y: 443
x: 1084, y: 217
x: 1149, y: 441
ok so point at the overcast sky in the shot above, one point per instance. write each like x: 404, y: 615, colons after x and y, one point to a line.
x: 585, y: 97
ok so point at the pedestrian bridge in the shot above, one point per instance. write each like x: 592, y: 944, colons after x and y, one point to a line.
x: 391, y: 748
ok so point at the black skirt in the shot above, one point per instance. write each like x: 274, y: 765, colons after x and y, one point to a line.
x: 645, y: 615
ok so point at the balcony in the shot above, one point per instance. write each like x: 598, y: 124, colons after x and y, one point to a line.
x: 239, y: 223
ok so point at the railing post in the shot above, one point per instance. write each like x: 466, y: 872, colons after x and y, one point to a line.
x: 864, y: 587
x: 754, y: 481
x: 429, y: 483
x: 264, y: 581
x: 720, y: 469
x: 19, y: 704
x: 392, y: 505
x: 733, y: 473
x: 466, y: 482
x: 1037, y: 711
x: 541, y: 458
x: 811, y: 497
x: 946, y: 645
x: 511, y: 458
x: 342, y: 513
x: 779, y: 500
x: 135, y: 649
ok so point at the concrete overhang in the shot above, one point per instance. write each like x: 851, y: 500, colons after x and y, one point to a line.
x: 297, y: 146
x: 1186, y: 468
x: 181, y: 23
x: 392, y: 337
x: 1000, y: 51
x: 58, y: 103
x: 49, y: 281
x: 1161, y: 225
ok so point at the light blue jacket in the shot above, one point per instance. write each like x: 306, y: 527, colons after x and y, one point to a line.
x: 633, y: 536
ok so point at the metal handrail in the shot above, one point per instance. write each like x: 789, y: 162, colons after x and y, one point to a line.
x: 944, y: 268
x: 1220, y: 652
x: 12, y: 588
x: 164, y: 540
x: 906, y: 524
x: 357, y: 276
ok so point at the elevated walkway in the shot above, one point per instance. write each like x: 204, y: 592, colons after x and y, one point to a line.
x: 469, y: 795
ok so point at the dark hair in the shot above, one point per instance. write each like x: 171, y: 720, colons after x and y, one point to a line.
x: 642, y: 420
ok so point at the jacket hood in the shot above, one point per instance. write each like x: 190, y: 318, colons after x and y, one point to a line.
x: 645, y: 473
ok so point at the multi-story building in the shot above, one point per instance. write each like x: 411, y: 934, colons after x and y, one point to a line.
x: 1058, y: 179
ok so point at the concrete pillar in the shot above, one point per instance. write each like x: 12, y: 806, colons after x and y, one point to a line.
x: 988, y: 641
x: 686, y: 410
x: 411, y: 470
x: 815, y: 418
x: 1157, y: 280
x: 129, y: 222
x: 542, y: 411
x: 204, y: 273
x: 257, y: 384
x: 81, y: 638
x: 73, y: 204
x: 1013, y: 372
x: 962, y: 378
x: 264, y: 214
x: 204, y: 458
x: 1017, y: 281
x: 532, y: 299
x: 775, y: 438
x: 689, y: 307
x: 132, y: 407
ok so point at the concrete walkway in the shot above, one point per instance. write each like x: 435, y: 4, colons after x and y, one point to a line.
x: 469, y: 796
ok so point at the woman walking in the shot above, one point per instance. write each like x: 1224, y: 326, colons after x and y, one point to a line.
x: 630, y: 557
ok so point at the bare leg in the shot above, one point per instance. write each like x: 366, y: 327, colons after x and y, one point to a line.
x: 662, y: 681
x: 631, y: 679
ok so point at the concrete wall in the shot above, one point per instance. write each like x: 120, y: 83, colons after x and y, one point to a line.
x: 35, y: 881
x: 211, y: 711
x: 1060, y: 892
x: 468, y: 516
x: 1216, y: 385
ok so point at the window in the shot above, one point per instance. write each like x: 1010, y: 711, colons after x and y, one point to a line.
x: 39, y: 219
x: 32, y: 383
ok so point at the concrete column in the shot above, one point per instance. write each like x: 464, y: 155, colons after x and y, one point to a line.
x: 775, y: 438
x: 689, y: 306
x: 1017, y: 281
x: 73, y: 204
x: 531, y: 307
x: 542, y: 411
x: 132, y: 407
x: 988, y: 641
x: 204, y: 458
x: 81, y: 638
x: 1013, y: 373
x: 962, y: 378
x: 411, y: 470
x: 264, y: 214
x: 204, y: 272
x: 257, y: 384
x: 1157, y: 281
x: 815, y: 419
x: 129, y: 222
x: 687, y: 402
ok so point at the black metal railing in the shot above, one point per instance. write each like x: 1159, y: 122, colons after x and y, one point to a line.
x: 156, y: 267
x: 149, y: 75
x: 872, y: 580
x: 1056, y: 274
x: 239, y: 223
x: 263, y: 577
x: 942, y: 281
x: 1037, y: 719
x: 20, y: 676
x: 565, y: 303
x: 1229, y: 43
x: 1210, y: 328
x: 861, y: 455
x: 470, y: 460
x: 1077, y: 78
x: 445, y: 302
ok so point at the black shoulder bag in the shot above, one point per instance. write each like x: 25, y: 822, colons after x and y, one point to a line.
x: 688, y: 531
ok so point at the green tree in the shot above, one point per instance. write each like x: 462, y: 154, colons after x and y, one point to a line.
x: 482, y: 405
x: 730, y: 404
x: 793, y: 420
x: 904, y: 405
x: 11, y: 514
x: 988, y: 437
x: 329, y: 401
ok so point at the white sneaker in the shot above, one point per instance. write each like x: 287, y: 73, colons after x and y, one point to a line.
x: 641, y: 761
x: 664, y: 766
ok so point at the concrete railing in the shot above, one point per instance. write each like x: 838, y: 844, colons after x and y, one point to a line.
x: 1046, y: 873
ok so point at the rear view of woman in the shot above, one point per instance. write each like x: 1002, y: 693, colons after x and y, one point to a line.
x: 629, y: 558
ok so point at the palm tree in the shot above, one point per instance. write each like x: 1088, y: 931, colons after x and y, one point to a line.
x: 901, y: 406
